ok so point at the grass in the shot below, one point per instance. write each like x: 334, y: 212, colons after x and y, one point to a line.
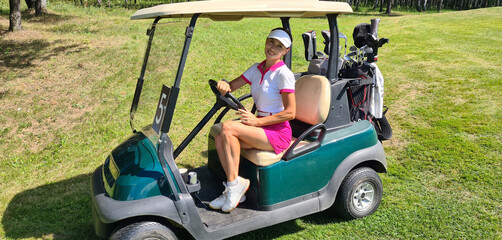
x: 67, y: 80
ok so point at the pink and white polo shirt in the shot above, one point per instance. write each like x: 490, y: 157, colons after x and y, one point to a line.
x: 267, y: 85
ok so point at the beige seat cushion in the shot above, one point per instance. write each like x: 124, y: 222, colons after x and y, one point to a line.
x: 265, y: 158
x: 313, y: 96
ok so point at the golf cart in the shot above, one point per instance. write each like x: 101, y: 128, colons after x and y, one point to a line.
x: 332, y: 163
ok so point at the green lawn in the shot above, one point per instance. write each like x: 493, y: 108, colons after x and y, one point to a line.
x: 67, y: 80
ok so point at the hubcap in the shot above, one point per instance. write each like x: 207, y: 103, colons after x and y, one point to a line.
x: 363, y: 196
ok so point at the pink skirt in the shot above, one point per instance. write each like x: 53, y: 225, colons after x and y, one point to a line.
x: 279, y: 136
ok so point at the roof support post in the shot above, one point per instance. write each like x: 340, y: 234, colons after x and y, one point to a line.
x: 339, y: 114
x: 287, y: 57
x: 188, y: 39
x: 334, y: 51
x: 174, y: 91
x: 139, y: 84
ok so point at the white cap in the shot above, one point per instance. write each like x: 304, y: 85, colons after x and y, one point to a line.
x: 282, y: 36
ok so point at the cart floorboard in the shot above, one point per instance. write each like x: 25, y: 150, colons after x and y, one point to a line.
x: 211, y: 188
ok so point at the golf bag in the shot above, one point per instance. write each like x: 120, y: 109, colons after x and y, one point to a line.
x: 361, y: 95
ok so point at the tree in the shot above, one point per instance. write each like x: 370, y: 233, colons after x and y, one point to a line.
x: 440, y: 4
x: 376, y: 4
x: 30, y: 4
x: 15, y: 15
x: 389, y: 6
x: 424, y: 6
x: 40, y: 7
x: 419, y: 9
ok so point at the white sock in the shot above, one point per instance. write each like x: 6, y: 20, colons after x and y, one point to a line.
x: 233, y: 183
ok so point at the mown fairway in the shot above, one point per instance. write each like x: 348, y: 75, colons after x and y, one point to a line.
x: 67, y: 80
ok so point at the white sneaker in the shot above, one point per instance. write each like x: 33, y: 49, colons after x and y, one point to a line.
x: 217, y: 203
x: 234, y: 193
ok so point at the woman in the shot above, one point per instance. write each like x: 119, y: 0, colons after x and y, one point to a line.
x: 273, y: 90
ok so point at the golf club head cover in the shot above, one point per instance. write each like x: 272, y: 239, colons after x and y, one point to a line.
x: 309, y: 41
x: 327, y: 40
x: 360, y: 33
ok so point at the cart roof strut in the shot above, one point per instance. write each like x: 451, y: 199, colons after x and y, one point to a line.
x: 233, y: 10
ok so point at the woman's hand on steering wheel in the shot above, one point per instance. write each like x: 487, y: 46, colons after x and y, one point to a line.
x: 223, y: 87
x: 228, y: 98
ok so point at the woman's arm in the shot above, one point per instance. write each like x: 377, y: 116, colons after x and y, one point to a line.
x: 224, y: 86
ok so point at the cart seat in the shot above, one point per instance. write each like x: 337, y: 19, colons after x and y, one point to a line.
x: 313, y: 97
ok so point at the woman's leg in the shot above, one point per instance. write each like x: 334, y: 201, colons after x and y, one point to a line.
x: 235, y: 135
x: 218, y: 141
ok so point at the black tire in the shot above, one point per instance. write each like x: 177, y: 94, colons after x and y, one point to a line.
x: 142, y: 231
x: 360, y: 194
x: 385, y: 129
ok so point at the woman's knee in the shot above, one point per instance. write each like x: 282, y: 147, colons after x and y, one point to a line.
x: 227, y: 128
x: 217, y: 140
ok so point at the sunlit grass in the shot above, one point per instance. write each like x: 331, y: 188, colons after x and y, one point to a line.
x: 71, y: 76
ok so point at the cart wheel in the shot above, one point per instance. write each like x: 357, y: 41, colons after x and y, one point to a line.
x: 385, y: 129
x: 144, y: 230
x: 360, y: 194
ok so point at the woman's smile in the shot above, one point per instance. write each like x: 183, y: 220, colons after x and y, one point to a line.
x: 274, y: 49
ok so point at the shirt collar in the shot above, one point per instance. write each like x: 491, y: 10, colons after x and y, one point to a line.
x: 272, y: 68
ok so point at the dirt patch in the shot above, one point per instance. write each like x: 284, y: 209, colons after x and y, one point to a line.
x: 42, y: 87
x: 398, y: 112
x: 24, y: 35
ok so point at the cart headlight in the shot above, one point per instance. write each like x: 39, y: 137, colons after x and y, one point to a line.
x: 110, y: 175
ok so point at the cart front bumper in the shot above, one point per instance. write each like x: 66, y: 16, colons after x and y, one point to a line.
x: 107, y: 213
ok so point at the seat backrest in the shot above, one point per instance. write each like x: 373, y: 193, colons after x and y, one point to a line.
x: 313, y: 96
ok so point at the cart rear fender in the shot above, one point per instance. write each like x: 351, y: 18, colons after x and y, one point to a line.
x: 373, y: 157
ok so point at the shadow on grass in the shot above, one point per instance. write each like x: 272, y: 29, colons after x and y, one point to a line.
x: 46, y: 18
x: 22, y: 54
x: 60, y: 210
x: 29, y: 15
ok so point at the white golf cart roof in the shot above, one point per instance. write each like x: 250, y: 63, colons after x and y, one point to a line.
x: 228, y: 10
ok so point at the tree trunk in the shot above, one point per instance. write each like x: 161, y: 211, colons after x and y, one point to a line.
x: 419, y: 9
x: 424, y: 7
x: 15, y: 15
x: 40, y: 7
x: 30, y: 4
x: 381, y: 5
x: 389, y: 6
x: 440, y: 4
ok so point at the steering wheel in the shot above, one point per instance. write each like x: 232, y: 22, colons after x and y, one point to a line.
x: 228, y: 98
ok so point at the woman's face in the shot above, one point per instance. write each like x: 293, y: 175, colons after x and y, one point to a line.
x: 274, y: 49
